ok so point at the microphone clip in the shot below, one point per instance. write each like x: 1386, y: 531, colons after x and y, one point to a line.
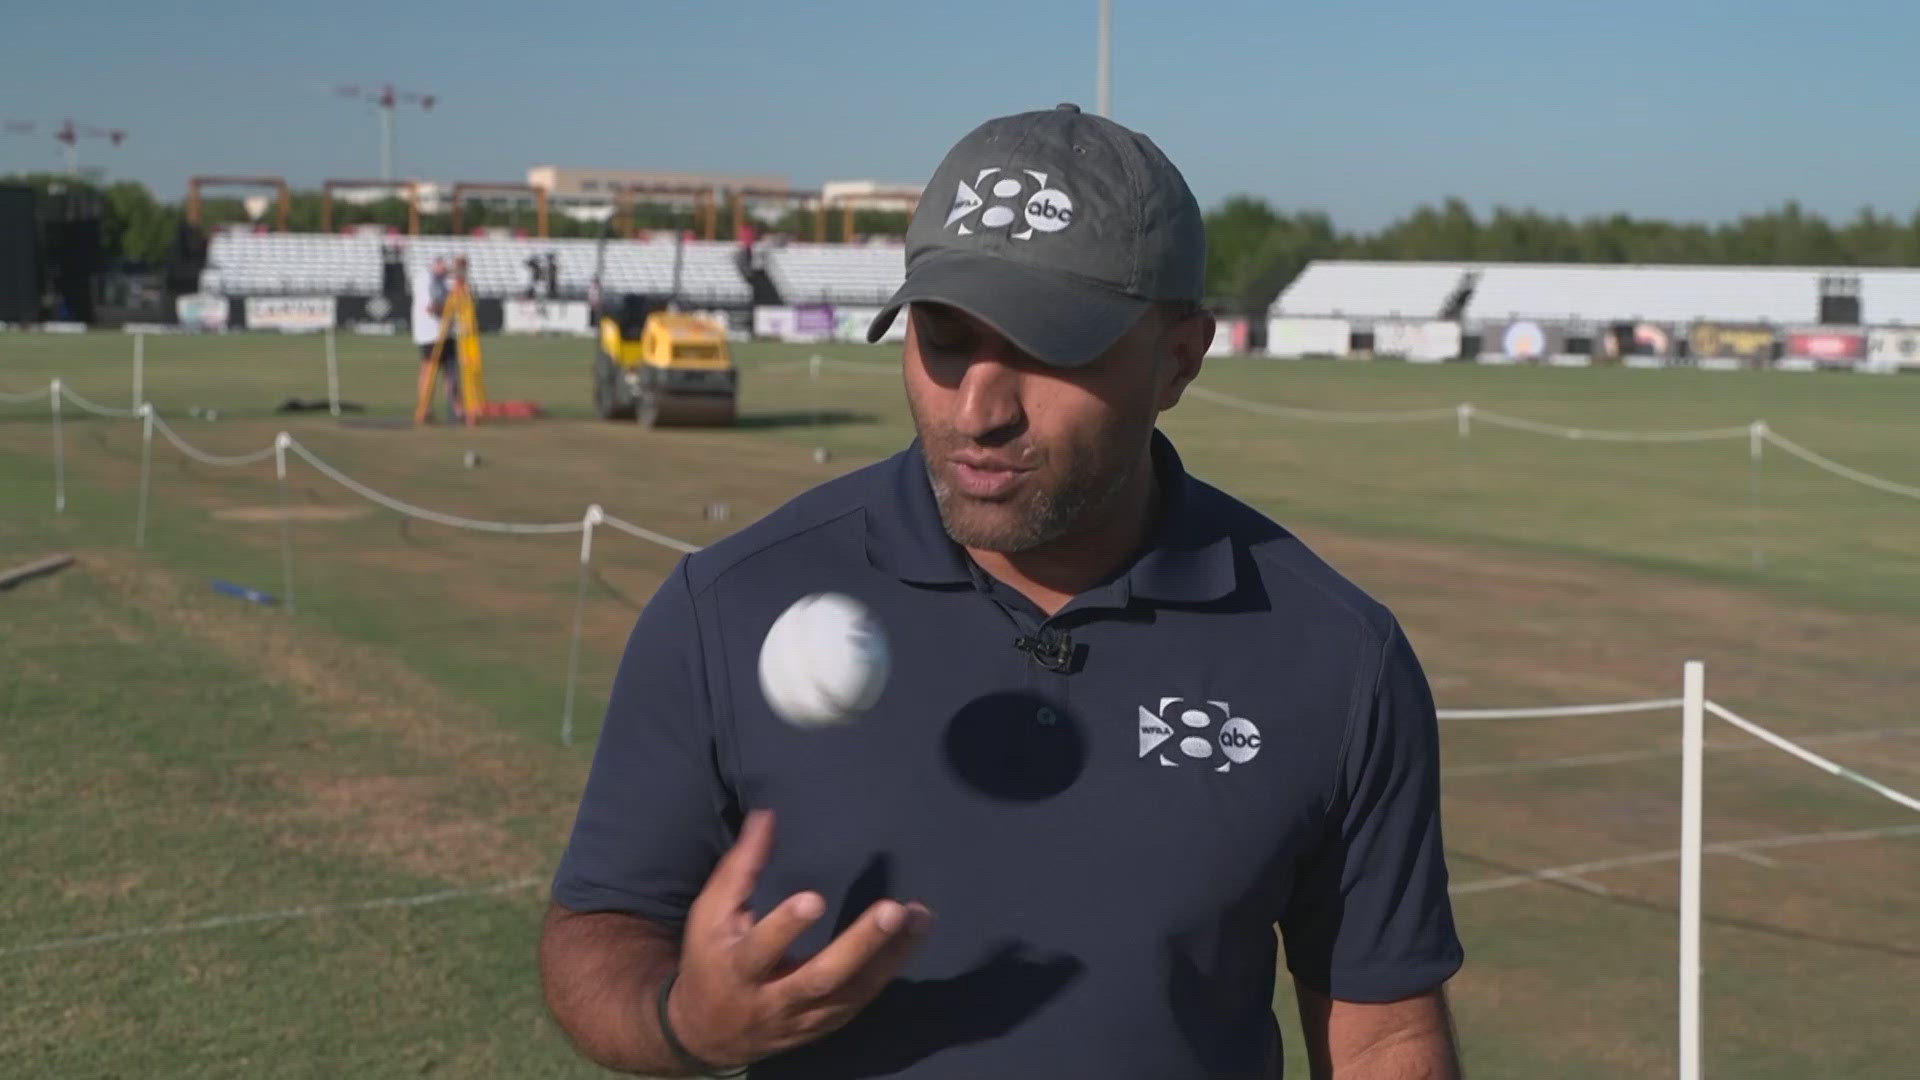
x: 1051, y: 650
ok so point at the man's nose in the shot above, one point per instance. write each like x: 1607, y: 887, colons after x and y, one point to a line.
x: 989, y: 406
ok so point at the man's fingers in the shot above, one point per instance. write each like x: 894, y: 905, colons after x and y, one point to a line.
x: 731, y: 882
x: 760, y: 954
x: 865, y: 955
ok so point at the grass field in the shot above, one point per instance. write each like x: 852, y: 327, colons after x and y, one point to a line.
x: 172, y: 756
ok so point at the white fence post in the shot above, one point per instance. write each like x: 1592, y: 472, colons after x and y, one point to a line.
x: 1464, y: 414
x: 280, y: 443
x: 139, y: 368
x: 1756, y: 443
x: 1692, y: 740
x: 55, y: 392
x: 333, y: 376
x: 592, y: 518
x: 146, y: 473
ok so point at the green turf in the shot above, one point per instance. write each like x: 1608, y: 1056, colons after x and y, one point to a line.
x: 172, y: 754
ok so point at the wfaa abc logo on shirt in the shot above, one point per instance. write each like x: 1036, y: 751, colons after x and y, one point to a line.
x: 1184, y: 732
x: 1024, y: 200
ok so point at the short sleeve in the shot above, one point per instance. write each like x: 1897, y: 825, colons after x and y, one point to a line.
x: 656, y: 814
x: 1369, y: 918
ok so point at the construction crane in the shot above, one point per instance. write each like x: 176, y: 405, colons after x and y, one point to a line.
x: 68, y: 134
x: 386, y: 98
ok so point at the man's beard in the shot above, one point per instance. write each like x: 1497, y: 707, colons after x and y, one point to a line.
x: 1062, y: 495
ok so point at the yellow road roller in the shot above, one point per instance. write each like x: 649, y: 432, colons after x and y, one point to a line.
x: 663, y: 367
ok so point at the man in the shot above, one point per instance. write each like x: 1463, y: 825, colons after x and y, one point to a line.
x: 1131, y: 725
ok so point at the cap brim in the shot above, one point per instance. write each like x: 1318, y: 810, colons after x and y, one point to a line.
x: 1058, y: 320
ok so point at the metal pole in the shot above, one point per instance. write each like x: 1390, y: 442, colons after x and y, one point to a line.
x: 146, y: 474
x: 594, y: 514
x: 280, y: 443
x: 139, y: 368
x: 1106, y: 58
x: 1756, y: 441
x: 386, y: 142
x: 1692, y: 739
x: 59, y: 454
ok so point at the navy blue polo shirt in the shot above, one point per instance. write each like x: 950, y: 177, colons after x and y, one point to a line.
x: 1237, y: 739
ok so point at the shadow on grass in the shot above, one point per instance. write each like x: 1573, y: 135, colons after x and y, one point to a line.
x: 1785, y: 933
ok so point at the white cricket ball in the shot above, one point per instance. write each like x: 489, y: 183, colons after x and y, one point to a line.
x: 824, y: 661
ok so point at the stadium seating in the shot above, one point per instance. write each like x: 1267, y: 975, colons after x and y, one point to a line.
x: 498, y: 267
x: 251, y: 264
x: 836, y: 273
x: 1780, y: 296
x: 1371, y: 289
x: 1889, y: 297
x: 245, y: 264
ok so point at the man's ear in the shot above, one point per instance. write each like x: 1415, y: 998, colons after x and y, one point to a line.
x: 1187, y: 342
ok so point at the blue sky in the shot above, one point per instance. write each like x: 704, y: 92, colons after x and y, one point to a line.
x: 1686, y: 108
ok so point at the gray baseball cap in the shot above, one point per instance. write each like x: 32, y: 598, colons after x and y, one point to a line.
x: 1058, y: 229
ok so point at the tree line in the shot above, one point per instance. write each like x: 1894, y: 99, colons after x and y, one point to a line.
x: 1254, y: 250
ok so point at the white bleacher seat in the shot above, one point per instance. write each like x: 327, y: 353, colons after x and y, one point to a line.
x: 836, y: 273
x: 1675, y: 294
x: 498, y: 267
x: 241, y: 264
x: 1409, y: 290
x: 1889, y: 297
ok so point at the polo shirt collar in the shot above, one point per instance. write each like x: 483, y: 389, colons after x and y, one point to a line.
x: 1189, y: 557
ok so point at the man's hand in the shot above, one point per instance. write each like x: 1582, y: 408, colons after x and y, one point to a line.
x: 738, y: 998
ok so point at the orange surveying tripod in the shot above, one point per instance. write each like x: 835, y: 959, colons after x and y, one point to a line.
x: 457, y: 320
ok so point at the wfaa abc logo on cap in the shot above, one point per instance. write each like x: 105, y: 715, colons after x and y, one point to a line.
x: 1185, y: 732
x: 1025, y: 198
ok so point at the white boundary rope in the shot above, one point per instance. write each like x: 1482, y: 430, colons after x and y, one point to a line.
x: 1560, y: 710
x: 222, y: 460
x: 1394, y: 416
x: 22, y: 399
x: 1812, y: 758
x: 421, y: 512
x: 1575, y: 434
x: 1622, y: 757
x: 1755, y: 432
x: 96, y: 408
x: 651, y: 537
x: 1878, y: 483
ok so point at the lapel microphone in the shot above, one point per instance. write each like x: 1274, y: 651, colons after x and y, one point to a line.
x: 1052, y: 649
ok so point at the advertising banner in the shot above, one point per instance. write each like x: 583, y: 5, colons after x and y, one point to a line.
x: 1750, y: 343
x: 812, y: 322
x: 1294, y: 338
x: 546, y: 317
x: 1521, y: 342
x: 773, y: 322
x: 200, y: 311
x: 290, y: 314
x: 1894, y: 348
x: 1637, y: 345
x: 850, y: 324
x: 1829, y: 348
x: 1424, y: 342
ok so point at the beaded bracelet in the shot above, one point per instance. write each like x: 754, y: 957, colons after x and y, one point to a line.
x: 673, y: 1041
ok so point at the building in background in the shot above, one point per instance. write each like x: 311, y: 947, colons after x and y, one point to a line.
x: 565, y: 183
x: 872, y: 194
